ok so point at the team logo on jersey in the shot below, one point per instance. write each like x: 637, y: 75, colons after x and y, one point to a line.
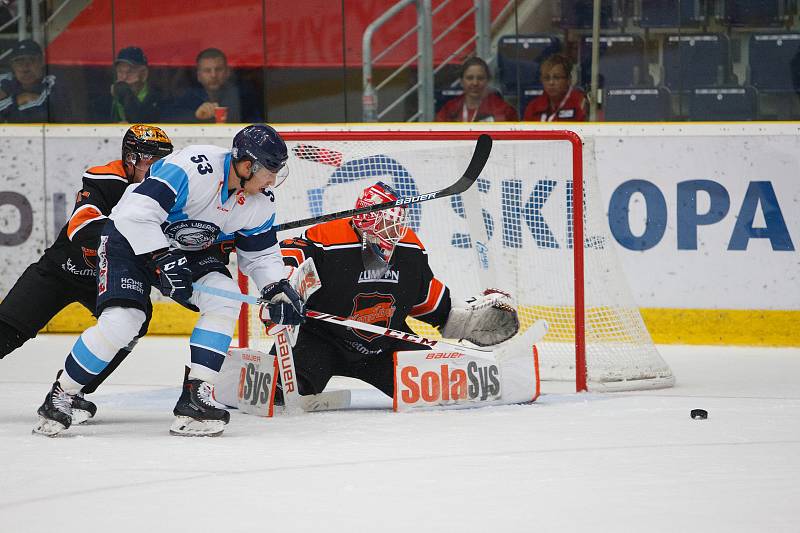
x: 191, y: 235
x: 372, y: 308
x: 82, y: 195
x: 89, y: 256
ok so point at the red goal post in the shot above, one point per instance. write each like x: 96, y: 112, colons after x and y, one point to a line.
x: 514, y: 229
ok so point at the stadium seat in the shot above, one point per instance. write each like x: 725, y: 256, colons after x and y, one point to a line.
x: 441, y: 96
x: 527, y: 95
x: 670, y: 14
x: 723, y: 103
x: 622, y: 61
x: 637, y: 104
x: 519, y: 57
x: 756, y: 13
x: 695, y: 60
x: 578, y: 14
x: 775, y: 62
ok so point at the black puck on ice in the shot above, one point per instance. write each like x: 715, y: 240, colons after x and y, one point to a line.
x: 699, y: 414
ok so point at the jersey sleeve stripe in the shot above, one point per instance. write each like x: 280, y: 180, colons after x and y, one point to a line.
x: 432, y: 300
x: 81, y: 217
x: 258, y: 242
x: 159, y: 191
x: 260, y: 229
x: 294, y: 253
x: 114, y: 177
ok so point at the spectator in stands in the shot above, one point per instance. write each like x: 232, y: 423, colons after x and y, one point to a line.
x: 216, y: 89
x: 26, y: 94
x: 561, y: 100
x: 134, y: 99
x: 479, y: 103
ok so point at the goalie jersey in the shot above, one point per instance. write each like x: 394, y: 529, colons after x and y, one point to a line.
x: 75, y: 249
x: 408, y: 288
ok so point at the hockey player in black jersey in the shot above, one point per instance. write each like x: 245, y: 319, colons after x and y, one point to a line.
x: 66, y: 271
x: 374, y: 269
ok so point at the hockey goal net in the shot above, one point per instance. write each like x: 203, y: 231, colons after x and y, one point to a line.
x: 516, y: 229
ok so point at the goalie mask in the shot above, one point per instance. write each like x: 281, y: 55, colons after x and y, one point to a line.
x: 380, y: 230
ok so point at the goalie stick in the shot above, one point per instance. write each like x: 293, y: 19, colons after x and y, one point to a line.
x: 539, y: 327
x: 483, y: 148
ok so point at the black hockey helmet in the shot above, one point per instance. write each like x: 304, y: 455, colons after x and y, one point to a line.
x: 260, y: 144
x: 144, y: 140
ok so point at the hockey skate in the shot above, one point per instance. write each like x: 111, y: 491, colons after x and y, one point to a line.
x: 55, y: 414
x: 195, y: 414
x: 82, y: 409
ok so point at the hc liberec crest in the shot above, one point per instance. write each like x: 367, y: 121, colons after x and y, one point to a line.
x: 191, y: 235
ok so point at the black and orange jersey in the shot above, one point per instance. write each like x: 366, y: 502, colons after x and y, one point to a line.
x: 75, y: 249
x: 408, y: 288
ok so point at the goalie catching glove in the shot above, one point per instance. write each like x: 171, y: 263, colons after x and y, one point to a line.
x: 282, y: 304
x: 487, y: 319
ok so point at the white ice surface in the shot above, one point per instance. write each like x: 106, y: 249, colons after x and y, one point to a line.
x: 589, y: 462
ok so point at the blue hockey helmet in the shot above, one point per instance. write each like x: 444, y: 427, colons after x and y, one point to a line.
x: 260, y: 144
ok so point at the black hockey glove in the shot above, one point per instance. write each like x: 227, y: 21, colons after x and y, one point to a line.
x: 174, y: 277
x: 284, y: 304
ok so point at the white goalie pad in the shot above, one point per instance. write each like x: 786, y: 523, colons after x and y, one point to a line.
x: 455, y: 380
x: 247, y: 381
x: 485, y: 320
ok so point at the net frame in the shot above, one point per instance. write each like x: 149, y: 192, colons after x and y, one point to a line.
x: 578, y: 218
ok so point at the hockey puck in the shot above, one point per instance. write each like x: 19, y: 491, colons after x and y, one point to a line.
x: 699, y: 414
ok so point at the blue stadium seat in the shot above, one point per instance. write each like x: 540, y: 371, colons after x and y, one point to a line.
x: 637, y: 104
x: 670, y: 14
x: 578, y: 14
x: 775, y: 62
x: 695, y: 60
x: 752, y: 13
x: 622, y: 61
x: 441, y: 96
x: 723, y: 103
x: 519, y: 57
x: 527, y: 95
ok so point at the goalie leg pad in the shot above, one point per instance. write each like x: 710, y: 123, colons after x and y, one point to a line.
x: 453, y: 380
x: 486, y: 320
x: 247, y: 381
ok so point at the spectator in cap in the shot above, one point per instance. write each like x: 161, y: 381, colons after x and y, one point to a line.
x: 26, y: 94
x: 133, y: 98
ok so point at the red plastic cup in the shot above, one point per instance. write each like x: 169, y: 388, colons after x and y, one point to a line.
x: 221, y: 114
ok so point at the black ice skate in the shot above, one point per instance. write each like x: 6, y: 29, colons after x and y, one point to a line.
x: 55, y: 414
x: 82, y: 409
x: 195, y: 414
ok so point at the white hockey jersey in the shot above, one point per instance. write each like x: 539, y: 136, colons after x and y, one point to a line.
x: 184, y: 203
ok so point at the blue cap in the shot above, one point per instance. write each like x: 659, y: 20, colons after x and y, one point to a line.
x: 132, y: 55
x: 27, y: 47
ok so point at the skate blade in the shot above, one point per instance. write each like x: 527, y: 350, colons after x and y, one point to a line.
x: 48, y: 428
x: 184, y: 426
x: 79, y: 416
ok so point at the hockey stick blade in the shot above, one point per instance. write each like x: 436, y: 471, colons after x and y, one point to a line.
x: 483, y: 148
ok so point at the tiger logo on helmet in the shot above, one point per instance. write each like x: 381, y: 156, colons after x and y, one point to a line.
x: 143, y: 142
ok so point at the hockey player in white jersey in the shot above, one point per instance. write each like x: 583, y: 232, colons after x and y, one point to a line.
x: 162, y: 233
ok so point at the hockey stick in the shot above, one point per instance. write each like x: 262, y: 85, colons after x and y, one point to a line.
x: 386, y: 332
x: 479, y: 157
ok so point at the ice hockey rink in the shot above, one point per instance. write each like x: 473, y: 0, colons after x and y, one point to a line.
x: 588, y: 462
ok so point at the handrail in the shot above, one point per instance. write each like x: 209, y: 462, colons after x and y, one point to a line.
x: 424, y: 57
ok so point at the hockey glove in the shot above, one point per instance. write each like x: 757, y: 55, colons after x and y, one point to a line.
x: 174, y: 277
x: 283, y: 304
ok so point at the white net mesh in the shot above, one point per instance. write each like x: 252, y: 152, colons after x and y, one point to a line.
x: 520, y: 213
